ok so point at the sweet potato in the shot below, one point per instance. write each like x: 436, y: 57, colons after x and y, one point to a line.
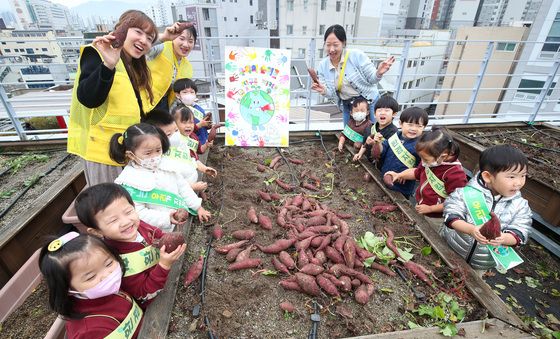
x: 243, y: 234
x: 214, y: 130
x: 321, y: 257
x: 275, y: 196
x: 492, y: 228
x: 217, y: 232
x: 303, y: 244
x: 417, y: 271
x: 244, y: 255
x: 287, y: 260
x: 322, y: 229
x: 334, y: 255
x: 226, y: 248
x: 339, y: 243
x: 306, y: 205
x: 120, y: 33
x: 349, y: 253
x: 290, y: 285
x: 194, y: 272
x: 316, y: 242
x: 171, y: 240
x: 232, y: 254
x: 308, y: 284
x: 383, y: 269
x: 252, y: 215
x: 388, y: 180
x: 346, y: 283
x: 305, y: 234
x: 281, y: 218
x: 183, y: 26
x: 264, y: 196
x: 361, y: 294
x: 344, y: 215
x: 279, y: 266
x: 295, y: 161
x: 277, y: 246
x: 285, y: 186
x: 265, y: 222
x: 356, y: 283
x: 367, y: 177
x: 339, y: 269
x: 287, y: 306
x: 181, y: 215
x: 245, y: 264
x: 316, y: 213
x: 326, y: 241
x: 383, y: 209
x: 297, y: 200
x: 390, y: 244
x: 362, y: 253
x: 358, y: 264
x: 327, y: 286
x: 315, y: 261
x: 309, y: 186
x: 311, y: 269
x: 339, y: 284
x: 261, y: 168
x: 313, y: 75
x: 302, y: 258
x: 274, y: 161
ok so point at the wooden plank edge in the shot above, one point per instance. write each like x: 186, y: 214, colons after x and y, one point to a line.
x: 488, y: 329
x: 478, y: 287
x: 44, y: 199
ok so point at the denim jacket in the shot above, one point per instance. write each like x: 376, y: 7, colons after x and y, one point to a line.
x: 360, y: 72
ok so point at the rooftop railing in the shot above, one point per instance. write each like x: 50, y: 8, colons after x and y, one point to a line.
x: 501, y: 85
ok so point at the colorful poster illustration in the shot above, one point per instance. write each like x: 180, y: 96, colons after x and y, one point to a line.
x: 257, y: 96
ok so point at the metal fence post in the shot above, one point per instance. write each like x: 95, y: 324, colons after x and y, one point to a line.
x: 213, y: 89
x: 479, y: 78
x: 12, y: 114
x: 544, y: 90
x: 312, y: 46
x: 404, y: 60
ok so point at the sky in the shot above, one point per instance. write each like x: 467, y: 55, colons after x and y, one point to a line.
x: 5, y: 5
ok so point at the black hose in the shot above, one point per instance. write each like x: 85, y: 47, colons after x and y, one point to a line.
x: 204, y: 269
x: 207, y: 323
x: 304, y: 140
x: 295, y: 180
x: 20, y: 194
x: 315, y: 318
x: 328, y: 155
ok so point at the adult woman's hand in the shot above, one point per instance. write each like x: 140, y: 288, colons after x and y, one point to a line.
x: 384, y: 66
x: 110, y: 55
x: 317, y: 87
x: 171, y: 32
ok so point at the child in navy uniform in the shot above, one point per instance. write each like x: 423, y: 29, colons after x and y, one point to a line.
x: 398, y: 153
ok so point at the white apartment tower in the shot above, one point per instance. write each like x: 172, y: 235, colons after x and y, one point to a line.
x: 506, y: 12
x: 41, y: 14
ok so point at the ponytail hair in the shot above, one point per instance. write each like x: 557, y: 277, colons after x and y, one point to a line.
x: 436, y: 142
x: 129, y: 140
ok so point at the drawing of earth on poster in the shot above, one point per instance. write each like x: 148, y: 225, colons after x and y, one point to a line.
x: 257, y: 96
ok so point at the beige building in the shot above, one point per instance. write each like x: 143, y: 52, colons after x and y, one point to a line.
x: 466, y: 58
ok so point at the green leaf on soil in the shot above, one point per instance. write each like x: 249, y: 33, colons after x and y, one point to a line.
x: 449, y: 330
x: 555, y: 293
x: 412, y: 325
x: 329, y: 175
x: 267, y: 161
x: 497, y: 292
x: 369, y: 261
x: 269, y: 273
x: 502, y: 287
x: 517, y: 281
x: 552, y: 319
x: 426, y: 250
x: 532, y: 282
x: 406, y: 255
x: 387, y: 290
x: 8, y: 193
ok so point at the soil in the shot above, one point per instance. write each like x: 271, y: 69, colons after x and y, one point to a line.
x: 539, y: 143
x: 32, y: 319
x: 15, y: 181
x: 245, y: 304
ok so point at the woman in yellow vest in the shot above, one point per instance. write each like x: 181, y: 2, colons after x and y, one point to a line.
x: 112, y: 90
x: 168, y: 62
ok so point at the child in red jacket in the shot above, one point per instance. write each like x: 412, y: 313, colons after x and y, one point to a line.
x: 84, y: 278
x: 108, y: 212
x: 439, y: 174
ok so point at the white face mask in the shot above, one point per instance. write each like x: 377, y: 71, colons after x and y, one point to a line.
x: 188, y: 99
x: 110, y: 285
x: 431, y: 164
x: 175, y: 139
x: 359, y: 116
x: 151, y: 164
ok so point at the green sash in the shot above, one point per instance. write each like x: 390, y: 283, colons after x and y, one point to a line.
x: 437, y: 185
x: 139, y: 261
x: 401, y: 152
x: 129, y: 325
x: 197, y: 113
x: 191, y: 143
x: 158, y: 197
x: 373, y: 130
x: 177, y: 154
x: 352, y: 135
x: 504, y: 256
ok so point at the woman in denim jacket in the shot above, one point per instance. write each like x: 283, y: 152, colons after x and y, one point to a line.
x: 360, y: 74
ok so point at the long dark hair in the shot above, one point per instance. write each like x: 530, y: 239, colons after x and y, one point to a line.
x: 437, y: 141
x: 130, y: 139
x: 137, y: 69
x: 55, y: 267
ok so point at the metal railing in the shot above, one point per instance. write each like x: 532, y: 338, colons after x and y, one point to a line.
x: 468, y: 109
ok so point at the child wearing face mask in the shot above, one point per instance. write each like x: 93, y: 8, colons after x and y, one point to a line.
x: 108, y: 212
x: 439, y: 174
x: 357, y: 125
x: 178, y: 159
x: 83, y: 276
x: 185, y: 90
x: 398, y: 153
x: 157, y: 193
x: 493, y: 196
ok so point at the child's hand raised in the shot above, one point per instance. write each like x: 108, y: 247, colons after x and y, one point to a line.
x: 167, y: 259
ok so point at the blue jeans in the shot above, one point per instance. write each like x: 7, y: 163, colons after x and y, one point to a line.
x: 347, y: 110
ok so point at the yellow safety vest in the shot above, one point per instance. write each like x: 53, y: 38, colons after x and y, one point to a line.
x: 161, y: 69
x: 91, y: 129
